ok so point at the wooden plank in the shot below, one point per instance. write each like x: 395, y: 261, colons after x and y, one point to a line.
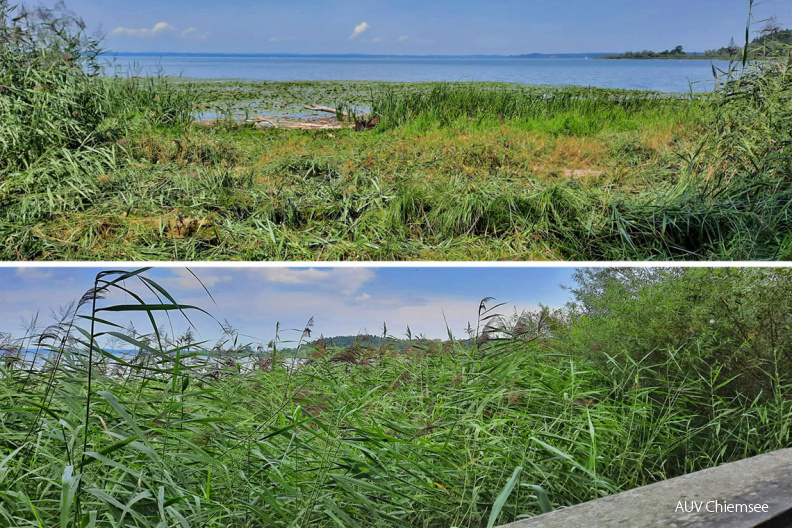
x: 764, y: 480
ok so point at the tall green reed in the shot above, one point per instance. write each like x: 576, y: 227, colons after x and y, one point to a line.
x: 431, y: 434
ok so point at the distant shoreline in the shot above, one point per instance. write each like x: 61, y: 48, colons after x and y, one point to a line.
x: 531, y: 56
x: 354, y: 55
x: 675, y: 57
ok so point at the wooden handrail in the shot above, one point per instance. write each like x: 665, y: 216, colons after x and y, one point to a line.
x: 716, y: 497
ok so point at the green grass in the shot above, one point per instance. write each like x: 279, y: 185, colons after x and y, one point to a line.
x: 560, y: 111
x: 470, y: 172
x: 432, y: 435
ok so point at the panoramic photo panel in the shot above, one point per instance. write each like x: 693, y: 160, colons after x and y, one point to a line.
x: 445, y: 130
x: 395, y: 396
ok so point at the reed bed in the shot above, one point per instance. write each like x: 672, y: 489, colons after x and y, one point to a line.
x: 525, y: 415
x: 564, y: 110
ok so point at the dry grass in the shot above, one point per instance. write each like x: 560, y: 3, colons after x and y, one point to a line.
x: 525, y: 187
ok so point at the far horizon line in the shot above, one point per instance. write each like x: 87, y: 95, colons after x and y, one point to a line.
x: 372, y: 55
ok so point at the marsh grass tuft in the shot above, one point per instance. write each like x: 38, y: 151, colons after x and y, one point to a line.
x: 559, y: 111
x: 471, y: 188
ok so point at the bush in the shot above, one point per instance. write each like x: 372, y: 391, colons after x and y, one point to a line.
x: 50, y: 92
x: 730, y: 325
x: 53, y: 96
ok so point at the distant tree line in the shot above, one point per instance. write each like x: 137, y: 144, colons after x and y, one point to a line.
x: 648, y: 54
x: 772, y: 41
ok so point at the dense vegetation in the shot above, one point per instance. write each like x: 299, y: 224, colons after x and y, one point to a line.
x: 772, y: 41
x: 676, y: 53
x: 650, y: 374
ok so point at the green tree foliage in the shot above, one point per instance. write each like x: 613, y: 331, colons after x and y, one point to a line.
x: 772, y: 41
x: 598, y: 288
x: 731, y: 325
x: 648, y: 54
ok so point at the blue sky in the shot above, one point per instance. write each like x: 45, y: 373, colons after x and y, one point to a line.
x: 421, y: 26
x: 342, y: 301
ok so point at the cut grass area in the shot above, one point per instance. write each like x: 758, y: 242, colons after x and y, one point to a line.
x: 474, y: 171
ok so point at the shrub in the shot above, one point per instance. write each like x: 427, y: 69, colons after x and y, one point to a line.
x: 50, y: 92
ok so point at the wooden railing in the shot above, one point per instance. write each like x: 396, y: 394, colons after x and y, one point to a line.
x: 755, y: 492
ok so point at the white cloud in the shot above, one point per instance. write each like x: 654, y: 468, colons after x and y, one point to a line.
x: 273, y: 39
x: 427, y: 316
x: 254, y: 299
x: 344, y: 280
x: 359, y: 29
x: 295, y: 276
x: 24, y: 304
x: 336, y: 315
x: 190, y: 32
x: 403, y: 38
x: 185, y: 280
x: 33, y: 274
x: 159, y: 27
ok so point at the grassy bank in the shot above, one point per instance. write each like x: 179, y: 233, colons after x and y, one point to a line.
x: 622, y: 391
x: 97, y: 168
x: 451, y: 172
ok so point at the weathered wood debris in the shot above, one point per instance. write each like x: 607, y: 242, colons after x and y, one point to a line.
x: 298, y: 124
x: 364, y: 122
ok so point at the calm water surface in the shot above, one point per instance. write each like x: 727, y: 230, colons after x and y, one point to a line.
x: 661, y: 75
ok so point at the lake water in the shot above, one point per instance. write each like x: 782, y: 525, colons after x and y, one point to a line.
x: 660, y: 75
x: 38, y: 361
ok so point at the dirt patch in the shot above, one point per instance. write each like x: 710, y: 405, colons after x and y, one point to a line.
x: 177, y: 226
x: 581, y: 173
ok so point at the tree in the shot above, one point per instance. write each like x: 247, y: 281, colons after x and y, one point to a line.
x: 597, y: 288
x: 732, y: 326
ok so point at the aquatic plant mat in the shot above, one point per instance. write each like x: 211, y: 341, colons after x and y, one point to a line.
x: 160, y: 169
x: 642, y: 386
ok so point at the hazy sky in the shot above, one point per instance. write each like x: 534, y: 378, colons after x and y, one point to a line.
x: 342, y: 301
x: 421, y: 26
